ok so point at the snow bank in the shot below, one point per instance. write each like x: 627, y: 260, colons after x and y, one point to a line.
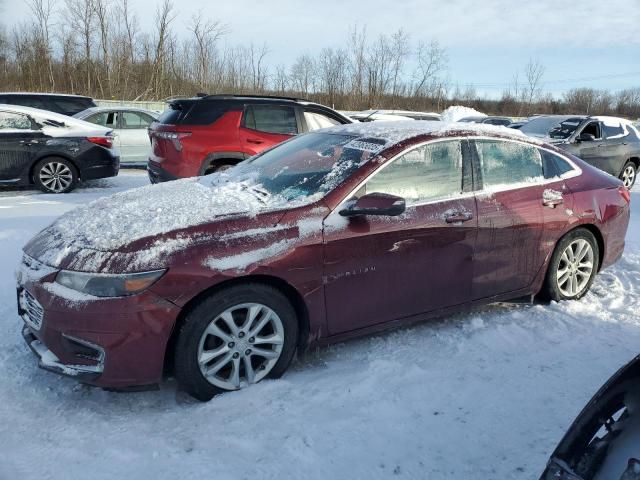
x: 458, y: 112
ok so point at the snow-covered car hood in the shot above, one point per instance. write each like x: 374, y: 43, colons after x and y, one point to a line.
x: 140, y: 228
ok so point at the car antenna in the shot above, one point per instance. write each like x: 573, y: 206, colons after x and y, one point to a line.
x: 372, y: 113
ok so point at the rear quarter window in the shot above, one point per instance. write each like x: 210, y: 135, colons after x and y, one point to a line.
x: 554, y: 165
x: 171, y: 116
x: 205, y: 113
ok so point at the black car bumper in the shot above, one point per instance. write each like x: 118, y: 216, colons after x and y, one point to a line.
x: 157, y: 174
x: 98, y: 162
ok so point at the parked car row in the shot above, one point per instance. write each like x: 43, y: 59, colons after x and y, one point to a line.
x: 208, y: 133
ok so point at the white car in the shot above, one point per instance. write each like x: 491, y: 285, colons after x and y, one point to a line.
x: 130, y: 127
x: 391, y: 115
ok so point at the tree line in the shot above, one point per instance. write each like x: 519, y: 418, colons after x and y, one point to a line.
x: 98, y: 48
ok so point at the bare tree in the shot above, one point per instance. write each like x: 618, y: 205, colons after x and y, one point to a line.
x: 533, y: 72
x: 431, y: 61
x: 206, y: 33
x: 80, y: 14
x: 42, y: 13
x: 302, y: 75
x: 163, y: 20
x: 400, y: 50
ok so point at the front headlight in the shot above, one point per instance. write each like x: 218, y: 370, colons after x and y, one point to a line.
x: 108, y: 285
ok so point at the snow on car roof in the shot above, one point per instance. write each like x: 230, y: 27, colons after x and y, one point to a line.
x: 396, y: 132
x: 46, y: 115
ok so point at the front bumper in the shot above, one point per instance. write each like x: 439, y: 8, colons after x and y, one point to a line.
x: 47, y: 360
x: 117, y: 343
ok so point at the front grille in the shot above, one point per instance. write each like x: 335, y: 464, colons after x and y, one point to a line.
x: 32, y: 311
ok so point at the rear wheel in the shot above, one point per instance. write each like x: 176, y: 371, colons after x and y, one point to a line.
x: 219, y: 166
x: 629, y: 173
x: 573, y: 266
x: 235, y: 338
x: 55, y: 175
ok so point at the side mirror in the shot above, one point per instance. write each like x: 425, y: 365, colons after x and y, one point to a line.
x: 586, y: 137
x: 374, y: 204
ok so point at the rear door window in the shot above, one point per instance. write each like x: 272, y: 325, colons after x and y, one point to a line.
x: 508, y: 163
x: 613, y: 129
x: 134, y: 120
x: 14, y: 121
x: 278, y: 119
x: 104, y: 119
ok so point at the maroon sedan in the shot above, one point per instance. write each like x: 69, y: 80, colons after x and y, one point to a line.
x: 332, y: 234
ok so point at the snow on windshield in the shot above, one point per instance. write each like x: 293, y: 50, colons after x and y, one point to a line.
x: 112, y: 222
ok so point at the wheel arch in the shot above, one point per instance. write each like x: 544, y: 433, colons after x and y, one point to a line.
x: 635, y: 160
x: 220, y: 157
x: 52, y: 155
x: 290, y: 292
x: 596, y: 233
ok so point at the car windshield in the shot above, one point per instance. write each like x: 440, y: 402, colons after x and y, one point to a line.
x: 307, y: 164
x: 552, y: 127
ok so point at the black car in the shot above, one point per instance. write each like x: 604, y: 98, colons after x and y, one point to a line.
x: 609, y: 143
x: 53, y: 102
x: 490, y: 120
x: 603, y: 443
x: 52, y: 151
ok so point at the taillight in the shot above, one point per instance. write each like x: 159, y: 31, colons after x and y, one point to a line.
x: 106, y: 142
x: 175, y: 138
x: 626, y: 194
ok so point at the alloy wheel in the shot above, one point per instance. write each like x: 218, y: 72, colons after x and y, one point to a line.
x: 629, y: 176
x: 575, y: 268
x: 55, y: 176
x: 240, y: 346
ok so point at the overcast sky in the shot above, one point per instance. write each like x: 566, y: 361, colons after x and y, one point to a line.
x: 590, y: 43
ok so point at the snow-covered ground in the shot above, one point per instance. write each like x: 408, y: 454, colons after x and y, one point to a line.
x: 483, y: 395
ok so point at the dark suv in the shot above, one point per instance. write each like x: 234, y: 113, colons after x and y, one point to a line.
x: 53, y: 102
x: 196, y: 136
x: 609, y: 143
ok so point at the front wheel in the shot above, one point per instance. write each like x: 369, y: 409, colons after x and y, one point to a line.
x: 55, y: 175
x: 573, y: 266
x: 235, y: 338
x: 628, y: 175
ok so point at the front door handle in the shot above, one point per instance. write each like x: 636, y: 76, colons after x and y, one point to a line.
x: 255, y: 141
x: 458, y: 217
x: 552, y: 198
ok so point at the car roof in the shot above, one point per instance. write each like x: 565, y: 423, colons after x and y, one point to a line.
x: 46, y: 94
x: 396, y: 132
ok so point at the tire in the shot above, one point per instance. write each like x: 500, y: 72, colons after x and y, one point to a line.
x: 629, y: 174
x: 563, y: 269
x: 211, y: 358
x: 55, y: 175
x: 219, y: 166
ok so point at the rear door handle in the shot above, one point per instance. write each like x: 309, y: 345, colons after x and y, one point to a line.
x: 552, y: 198
x: 255, y: 140
x: 458, y: 217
